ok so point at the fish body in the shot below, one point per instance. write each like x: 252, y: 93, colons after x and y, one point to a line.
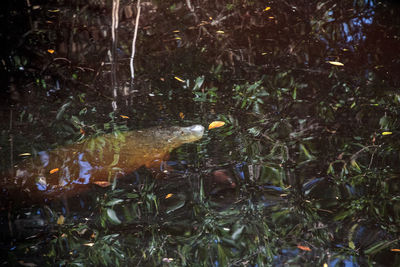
x: 102, y: 158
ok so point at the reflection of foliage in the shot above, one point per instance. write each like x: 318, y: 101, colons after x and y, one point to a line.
x: 305, y: 139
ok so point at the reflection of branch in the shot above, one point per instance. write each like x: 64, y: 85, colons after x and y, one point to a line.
x: 134, y: 40
x: 11, y: 144
x: 189, y: 5
x: 114, y: 26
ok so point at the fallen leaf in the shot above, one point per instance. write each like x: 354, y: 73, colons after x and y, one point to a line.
x: 60, y: 220
x: 24, y: 154
x: 221, y: 32
x: 89, y: 244
x: 395, y: 249
x: 179, y: 79
x: 51, y: 51
x: 124, y: 117
x: 267, y: 8
x: 102, y: 183
x: 169, y: 195
x: 304, y: 248
x: 54, y: 170
x: 386, y: 133
x: 216, y: 124
x: 181, y: 115
x: 335, y: 63
x: 28, y: 264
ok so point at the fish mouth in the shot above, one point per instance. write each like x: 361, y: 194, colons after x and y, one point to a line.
x: 197, y: 130
x: 192, y: 133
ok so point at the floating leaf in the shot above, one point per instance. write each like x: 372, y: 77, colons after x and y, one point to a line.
x: 386, y: 133
x: 102, y: 183
x: 54, y: 170
x: 216, y: 124
x: 60, y: 220
x: 168, y: 196
x: 124, y: 117
x: 335, y: 63
x: 179, y: 79
x: 304, y: 248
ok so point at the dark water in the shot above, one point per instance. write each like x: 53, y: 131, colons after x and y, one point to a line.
x: 305, y: 171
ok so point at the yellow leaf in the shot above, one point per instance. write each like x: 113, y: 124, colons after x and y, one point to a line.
x: 181, y: 115
x: 176, y: 31
x: 271, y: 17
x: 325, y: 265
x: 89, y: 244
x: 124, y: 117
x: 216, y: 124
x: 54, y: 170
x: 24, y: 154
x: 267, y: 8
x: 386, y: 133
x: 335, y: 63
x: 178, y: 38
x: 60, y: 220
x: 395, y: 249
x: 168, y: 196
x: 51, y: 51
x: 179, y: 79
x: 221, y: 32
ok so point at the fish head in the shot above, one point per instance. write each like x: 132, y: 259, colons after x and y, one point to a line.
x: 182, y: 135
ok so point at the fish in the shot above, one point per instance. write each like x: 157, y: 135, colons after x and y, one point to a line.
x: 102, y: 159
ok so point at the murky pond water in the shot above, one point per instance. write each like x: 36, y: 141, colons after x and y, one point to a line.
x: 305, y: 171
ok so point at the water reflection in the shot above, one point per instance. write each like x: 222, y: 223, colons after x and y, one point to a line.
x: 305, y: 170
